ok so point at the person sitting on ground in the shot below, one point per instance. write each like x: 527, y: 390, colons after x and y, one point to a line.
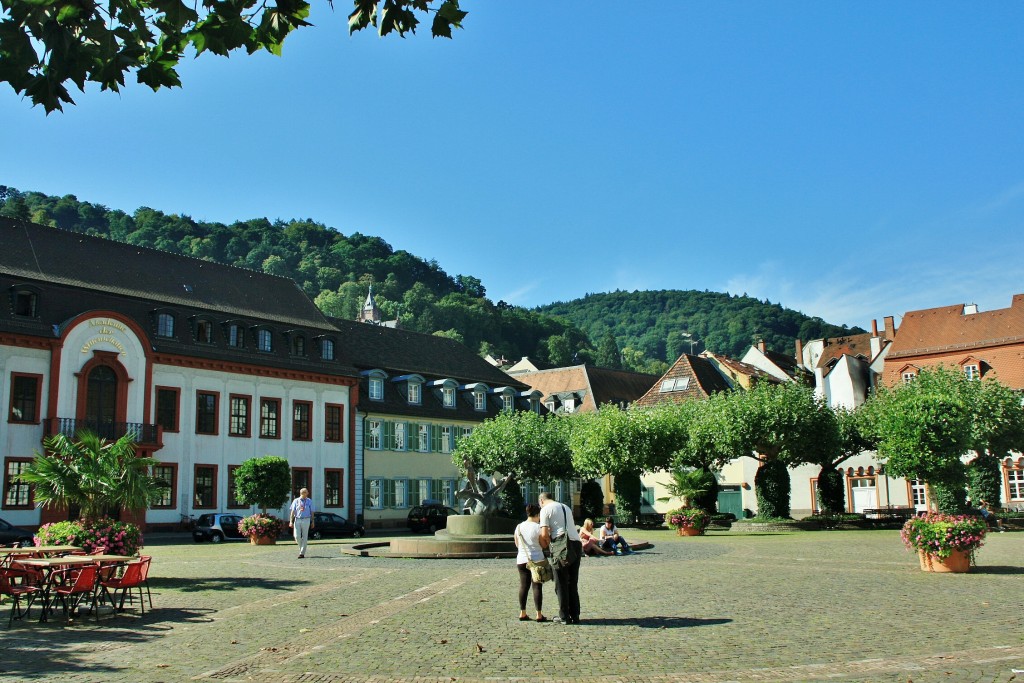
x: 983, y: 508
x: 610, y: 538
x: 591, y: 545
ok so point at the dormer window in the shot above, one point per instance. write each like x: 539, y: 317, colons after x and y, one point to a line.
x: 972, y: 372
x: 448, y: 397
x: 327, y: 349
x: 507, y: 403
x: 165, y: 325
x: 376, y: 389
x: 569, y: 405
x: 480, y: 400
x: 204, y: 332
x: 415, y: 393
x: 26, y: 303
x: 264, y: 340
x: 909, y: 377
x: 235, y: 335
x: 674, y: 384
x: 298, y: 344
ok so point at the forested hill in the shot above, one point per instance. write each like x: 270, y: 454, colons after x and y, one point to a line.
x: 656, y: 322
x: 336, y: 270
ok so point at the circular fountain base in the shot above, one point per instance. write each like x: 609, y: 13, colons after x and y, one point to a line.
x: 467, y: 537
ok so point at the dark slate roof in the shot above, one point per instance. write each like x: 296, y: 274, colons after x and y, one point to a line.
x: 77, y: 274
x: 704, y: 380
x: 400, y: 352
x: 36, y: 252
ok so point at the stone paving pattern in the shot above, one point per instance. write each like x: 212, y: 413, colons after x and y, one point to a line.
x: 807, y: 606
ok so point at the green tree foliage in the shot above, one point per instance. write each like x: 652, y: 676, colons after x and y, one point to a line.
x: 608, y: 355
x: 771, y: 484
x: 513, y: 505
x: 627, y: 495
x: 831, y: 492
x: 923, y: 428
x: 695, y: 488
x: 653, y: 322
x: 522, y: 445
x: 614, y: 441
x: 96, y: 476
x: 265, y: 482
x: 984, y: 480
x: 45, y: 46
x: 334, y: 269
x: 853, y: 439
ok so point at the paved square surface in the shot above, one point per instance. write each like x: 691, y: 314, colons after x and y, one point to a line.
x: 838, y: 605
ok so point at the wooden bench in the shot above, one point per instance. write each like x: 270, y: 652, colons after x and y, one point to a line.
x: 889, y: 515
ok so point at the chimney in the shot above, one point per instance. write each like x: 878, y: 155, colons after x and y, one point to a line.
x: 874, y: 327
x: 890, y: 327
x: 760, y: 345
x: 799, y: 352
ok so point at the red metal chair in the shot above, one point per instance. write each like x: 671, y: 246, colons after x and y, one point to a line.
x: 134, y: 576
x: 15, y: 584
x: 75, y: 586
x: 146, y: 561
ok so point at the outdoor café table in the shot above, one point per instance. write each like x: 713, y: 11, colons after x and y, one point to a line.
x: 41, y: 550
x: 49, y: 565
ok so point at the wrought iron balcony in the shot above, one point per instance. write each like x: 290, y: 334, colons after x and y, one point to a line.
x: 111, y: 431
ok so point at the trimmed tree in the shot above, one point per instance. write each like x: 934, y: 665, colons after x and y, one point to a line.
x: 265, y: 482
x: 922, y: 429
x: 97, y: 476
x: 513, y: 446
x: 853, y: 439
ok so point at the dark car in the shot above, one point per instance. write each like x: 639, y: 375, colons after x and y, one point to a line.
x: 216, y: 527
x: 10, y: 534
x: 330, y: 524
x: 429, y: 517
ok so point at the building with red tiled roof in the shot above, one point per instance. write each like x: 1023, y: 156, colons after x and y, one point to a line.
x: 778, y: 365
x: 982, y: 343
x: 737, y: 372
x: 846, y: 368
x: 584, y: 388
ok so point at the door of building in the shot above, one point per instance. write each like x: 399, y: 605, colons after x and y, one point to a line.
x: 864, y: 493
x: 101, y: 401
x: 730, y: 500
x: 918, y: 495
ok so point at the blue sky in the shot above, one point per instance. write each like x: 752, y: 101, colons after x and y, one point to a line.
x: 848, y: 160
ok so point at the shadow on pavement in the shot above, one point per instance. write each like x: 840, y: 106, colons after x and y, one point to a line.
x: 221, y: 583
x: 655, y: 622
x: 34, y: 650
x: 998, y: 569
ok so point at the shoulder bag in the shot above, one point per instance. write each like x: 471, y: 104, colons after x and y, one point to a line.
x: 540, y: 571
x: 564, y: 553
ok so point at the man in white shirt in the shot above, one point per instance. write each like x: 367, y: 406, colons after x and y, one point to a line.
x: 555, y: 520
x: 610, y: 538
x: 300, y: 519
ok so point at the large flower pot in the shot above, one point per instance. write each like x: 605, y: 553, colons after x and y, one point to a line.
x: 688, y: 531
x: 262, y: 540
x: 958, y: 562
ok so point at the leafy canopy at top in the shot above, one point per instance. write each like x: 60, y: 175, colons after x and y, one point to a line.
x: 265, y: 482
x: 47, y: 44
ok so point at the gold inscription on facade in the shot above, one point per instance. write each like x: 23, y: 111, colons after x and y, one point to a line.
x: 106, y: 327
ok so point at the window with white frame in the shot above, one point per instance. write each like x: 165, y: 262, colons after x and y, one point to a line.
x: 373, y: 435
x: 415, y: 393
x: 400, y: 495
x: 448, y: 393
x: 441, y: 438
x: 399, y: 436
x: 448, y: 492
x: 376, y: 389
x: 971, y: 372
x: 1015, y: 481
x: 480, y: 400
x: 465, y: 431
x: 909, y: 376
x: 507, y: 403
x: 423, y: 438
x: 422, y: 489
x: 550, y: 405
x: 373, y: 490
x: 569, y: 405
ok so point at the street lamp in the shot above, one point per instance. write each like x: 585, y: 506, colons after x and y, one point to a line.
x: 690, y: 337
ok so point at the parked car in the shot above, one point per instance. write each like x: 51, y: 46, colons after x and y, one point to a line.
x: 216, y: 527
x: 429, y: 517
x: 330, y: 524
x: 10, y: 534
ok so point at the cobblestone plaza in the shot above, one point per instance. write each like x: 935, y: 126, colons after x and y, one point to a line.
x: 842, y: 605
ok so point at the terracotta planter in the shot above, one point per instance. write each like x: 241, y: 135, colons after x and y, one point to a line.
x: 958, y: 562
x: 687, y: 531
x: 262, y: 540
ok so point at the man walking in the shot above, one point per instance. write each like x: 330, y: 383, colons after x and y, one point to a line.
x: 300, y: 519
x: 556, y: 520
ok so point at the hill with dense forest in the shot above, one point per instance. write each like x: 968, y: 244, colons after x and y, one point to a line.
x: 639, y: 330
x: 658, y: 324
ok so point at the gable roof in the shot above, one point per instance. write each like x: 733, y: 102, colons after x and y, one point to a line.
x: 703, y: 380
x: 592, y: 386
x: 952, y: 328
x: 40, y: 253
x: 738, y: 367
x: 854, y: 345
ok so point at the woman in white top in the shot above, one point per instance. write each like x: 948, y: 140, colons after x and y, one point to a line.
x: 527, y: 536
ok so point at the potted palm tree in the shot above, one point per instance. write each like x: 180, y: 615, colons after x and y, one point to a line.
x: 99, y: 478
x: 690, y: 485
